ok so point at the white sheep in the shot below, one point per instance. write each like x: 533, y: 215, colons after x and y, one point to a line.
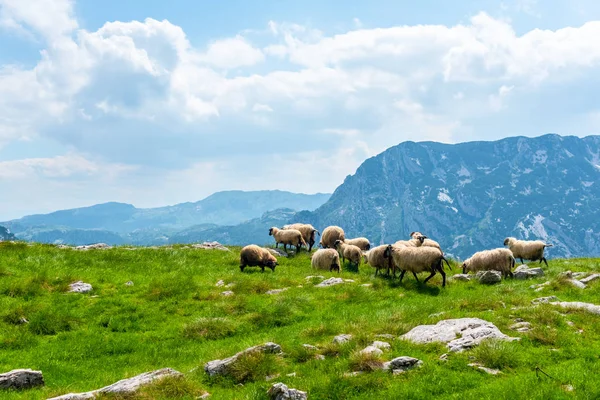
x: 426, y: 242
x: 348, y: 251
x: 499, y: 259
x: 416, y: 241
x: 327, y: 259
x: 532, y: 250
x: 330, y: 235
x: 308, y: 232
x: 290, y: 237
x: 375, y: 258
x: 417, y: 259
x: 255, y: 256
x: 360, y: 242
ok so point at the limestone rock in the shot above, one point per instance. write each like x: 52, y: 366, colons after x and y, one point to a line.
x: 461, y: 277
x: 565, y: 275
x: 129, y: 283
x: 310, y: 347
x: 277, y: 252
x: 280, y: 391
x: 96, y: 246
x: 220, y: 283
x: 124, y: 386
x: 19, y: 379
x: 276, y: 291
x: 471, y: 330
x: 227, y: 293
x: 403, y: 363
x: 343, y: 338
x: 80, y: 287
x: 590, y: 278
x: 521, y: 327
x: 330, y: 282
x: 544, y: 300
x: 221, y: 367
x: 489, y: 277
x: 578, y: 305
x: 381, y: 345
x: 576, y: 283
x: 210, y: 246
x: 524, y: 272
x: 480, y: 367
x: 371, y: 350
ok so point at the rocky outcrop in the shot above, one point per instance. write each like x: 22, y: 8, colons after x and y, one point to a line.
x: 280, y: 391
x: 19, y: 379
x: 80, y: 287
x: 489, y: 277
x: 524, y: 272
x: 221, y: 367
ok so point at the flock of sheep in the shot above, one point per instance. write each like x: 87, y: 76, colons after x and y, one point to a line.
x: 418, y: 254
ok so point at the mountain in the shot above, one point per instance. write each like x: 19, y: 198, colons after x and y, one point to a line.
x: 470, y: 196
x: 5, y: 234
x: 117, y: 223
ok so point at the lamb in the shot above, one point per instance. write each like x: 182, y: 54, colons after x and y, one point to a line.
x: 255, y: 256
x: 360, y: 242
x: 499, y: 259
x: 330, y: 235
x: 417, y: 259
x: 327, y: 259
x: 375, y: 258
x: 426, y: 242
x: 532, y: 250
x: 348, y: 251
x: 308, y: 232
x: 290, y: 237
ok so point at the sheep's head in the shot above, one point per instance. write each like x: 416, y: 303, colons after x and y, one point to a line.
x: 420, y: 238
x: 508, y: 240
x: 464, y: 268
x: 272, y: 263
x: 414, y: 235
x: 271, y: 231
x: 337, y: 243
x: 387, y: 253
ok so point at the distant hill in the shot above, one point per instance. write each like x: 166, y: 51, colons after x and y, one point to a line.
x: 5, y: 234
x: 470, y: 196
x: 118, y: 223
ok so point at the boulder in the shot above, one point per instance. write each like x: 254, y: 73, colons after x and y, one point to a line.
x: 576, y: 283
x: 330, y: 282
x: 489, y: 277
x: 524, y: 272
x: 371, y: 350
x: 403, y: 363
x: 343, y: 338
x: 277, y: 252
x: 221, y: 367
x: 19, y: 379
x: 280, y: 391
x: 461, y: 277
x: 124, y: 386
x: 471, y: 330
x: 578, y: 305
x: 80, y: 287
x: 381, y: 345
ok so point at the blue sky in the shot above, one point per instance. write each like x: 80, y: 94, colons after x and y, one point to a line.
x: 154, y: 103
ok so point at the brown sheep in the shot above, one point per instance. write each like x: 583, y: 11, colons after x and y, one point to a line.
x: 308, y: 233
x: 348, y: 251
x: 532, y: 250
x: 255, y: 256
x: 290, y: 237
x: 330, y: 235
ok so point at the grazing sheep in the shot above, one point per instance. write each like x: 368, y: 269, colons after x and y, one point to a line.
x: 360, y: 242
x: 290, y: 237
x: 327, y: 259
x: 348, y: 251
x: 375, y: 258
x: 499, y: 259
x: 417, y: 259
x: 330, y: 235
x: 308, y: 232
x: 255, y: 256
x: 416, y: 241
x: 532, y: 250
x: 427, y: 242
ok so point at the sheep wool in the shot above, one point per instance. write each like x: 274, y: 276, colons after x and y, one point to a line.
x: 330, y: 235
x: 426, y: 242
x: 291, y: 237
x: 531, y: 250
x: 416, y: 260
x: 348, y: 251
x: 375, y: 258
x: 255, y: 256
x: 360, y: 242
x: 327, y: 259
x: 499, y: 259
x: 308, y: 232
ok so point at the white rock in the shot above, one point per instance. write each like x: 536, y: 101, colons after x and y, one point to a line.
x: 590, y: 278
x: 521, y: 327
x: 276, y: 291
x: 577, y: 305
x: 524, y: 272
x: 480, y: 367
x: 471, y: 330
x: 277, y: 252
x: 403, y: 363
x: 489, y: 277
x: 565, y: 275
x: 129, y: 283
x: 319, y: 357
x: 444, y: 357
x: 381, y: 345
x: 576, y: 283
x: 310, y: 347
x: 124, y: 386
x: 19, y: 379
x: 461, y: 277
x: 280, y: 391
x: 80, y: 287
x: 330, y: 282
x: 371, y: 350
x: 220, y: 283
x: 221, y: 367
x: 210, y: 246
x: 544, y: 300
x: 343, y: 338
x: 227, y: 293
x: 308, y: 278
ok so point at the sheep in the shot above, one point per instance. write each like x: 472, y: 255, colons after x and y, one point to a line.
x: 416, y: 241
x: 330, y: 235
x: 327, y: 259
x: 375, y: 258
x: 348, y: 251
x: 499, y: 259
x: 360, y: 242
x: 308, y: 232
x: 417, y: 259
x: 255, y: 256
x: 292, y: 237
x: 426, y: 242
x: 532, y: 250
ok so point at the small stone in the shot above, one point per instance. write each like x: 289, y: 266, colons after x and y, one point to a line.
x: 280, y: 391
x: 480, y: 367
x: 444, y: 357
x: 576, y: 283
x: 437, y: 314
x: 461, y: 277
x: 129, y: 283
x: 271, y: 377
x: 343, y: 338
x: 524, y: 272
x: 570, y: 323
x: 80, y: 287
x: 544, y: 300
x: 578, y: 305
x: 20, y: 379
x: 319, y: 357
x: 366, y: 285
x: 230, y: 285
x: 227, y: 293
x: 489, y: 277
x: 277, y: 252
x: 540, y: 285
x: 568, y: 388
x: 371, y: 350
x: 204, y: 395
x: 310, y: 347
x: 590, y: 278
x: 521, y: 327
x: 308, y: 278
x: 403, y: 363
x: 222, y: 367
x: 210, y: 246
x: 292, y: 375
x: 381, y: 345
x: 330, y: 282
x: 276, y: 291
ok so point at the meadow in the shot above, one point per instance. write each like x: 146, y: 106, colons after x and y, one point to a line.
x: 172, y: 314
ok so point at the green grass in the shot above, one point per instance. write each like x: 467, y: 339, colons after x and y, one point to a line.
x: 174, y: 316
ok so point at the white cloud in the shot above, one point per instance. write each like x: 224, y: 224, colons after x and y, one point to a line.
x: 232, y: 53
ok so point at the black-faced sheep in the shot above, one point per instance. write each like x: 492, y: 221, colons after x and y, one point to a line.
x: 416, y: 241
x: 426, y: 242
x: 360, y: 242
x: 532, y: 250
x: 327, y: 259
x: 348, y: 251
x: 330, y: 235
x: 290, y: 237
x: 499, y: 259
x: 308, y: 232
x: 255, y: 256
x: 417, y: 259
x: 375, y: 258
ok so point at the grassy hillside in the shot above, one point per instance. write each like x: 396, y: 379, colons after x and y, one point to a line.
x: 174, y: 316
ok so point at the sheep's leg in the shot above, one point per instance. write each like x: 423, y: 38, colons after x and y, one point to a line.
x: 262, y: 269
x: 415, y: 275
x: 298, y: 248
x: 510, y: 274
x: 443, y: 277
x: 242, y: 268
x: 285, y: 247
x: 276, y: 245
x: 544, y: 259
x: 430, y: 276
x: 402, y: 275
x: 521, y: 260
